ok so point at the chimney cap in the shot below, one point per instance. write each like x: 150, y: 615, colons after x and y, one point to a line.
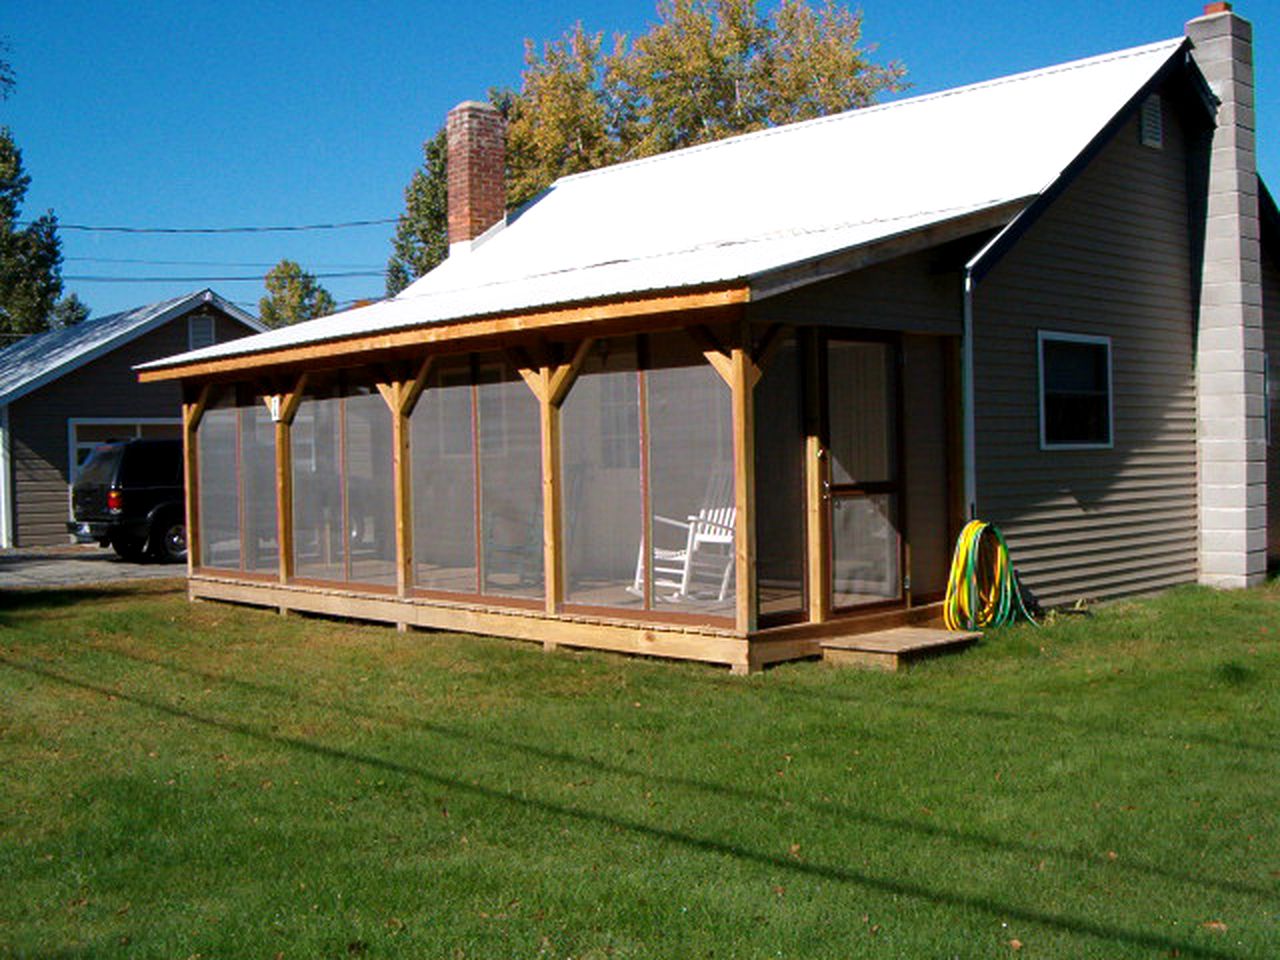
x: 1219, y: 6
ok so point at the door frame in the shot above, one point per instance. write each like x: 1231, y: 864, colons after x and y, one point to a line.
x: 819, y: 374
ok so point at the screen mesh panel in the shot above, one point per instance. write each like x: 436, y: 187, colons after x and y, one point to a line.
x: 691, y: 489
x: 780, y: 496
x: 510, y: 431
x: 864, y: 550
x: 370, y: 489
x: 444, y: 484
x: 601, y: 502
x: 219, y: 491
x: 258, y: 488
x: 317, y: 490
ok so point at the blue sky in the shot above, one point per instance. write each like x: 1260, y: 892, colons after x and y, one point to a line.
x: 248, y: 113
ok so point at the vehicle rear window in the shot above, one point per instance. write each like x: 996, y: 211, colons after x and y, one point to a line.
x: 156, y: 463
x: 100, y: 468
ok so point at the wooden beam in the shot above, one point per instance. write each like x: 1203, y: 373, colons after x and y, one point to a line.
x: 284, y: 496
x: 413, y: 389
x: 744, y: 486
x: 194, y: 412
x: 564, y: 375
x: 390, y: 391
x: 716, y: 355
x: 764, y: 352
x: 535, y: 379
x: 403, y: 503
x: 191, y: 415
x: 289, y: 402
x: 552, y: 535
x: 816, y: 482
x: 563, y: 318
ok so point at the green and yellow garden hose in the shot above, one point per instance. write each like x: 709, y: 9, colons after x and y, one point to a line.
x: 982, y: 590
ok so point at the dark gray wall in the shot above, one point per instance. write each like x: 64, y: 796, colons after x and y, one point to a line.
x: 1112, y: 256
x: 106, y: 387
x: 1271, y: 325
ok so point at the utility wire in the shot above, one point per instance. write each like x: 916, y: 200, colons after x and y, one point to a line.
x: 256, y: 278
x: 294, y: 228
x: 212, y: 263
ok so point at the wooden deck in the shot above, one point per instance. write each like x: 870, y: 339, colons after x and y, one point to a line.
x: 895, y: 648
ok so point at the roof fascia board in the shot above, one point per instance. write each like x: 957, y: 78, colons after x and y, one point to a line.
x: 183, y: 306
x: 985, y: 259
x: 577, y: 316
x: 806, y: 272
x: 236, y: 313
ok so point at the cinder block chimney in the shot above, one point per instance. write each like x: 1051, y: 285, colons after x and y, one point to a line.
x: 1229, y: 348
x: 476, y: 137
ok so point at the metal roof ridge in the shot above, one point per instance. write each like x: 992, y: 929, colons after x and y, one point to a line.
x: 845, y: 115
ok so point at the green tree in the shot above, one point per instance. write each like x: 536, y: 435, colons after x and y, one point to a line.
x: 7, y: 79
x: 69, y: 311
x: 293, y: 295
x: 422, y: 234
x: 707, y: 69
x: 30, y: 256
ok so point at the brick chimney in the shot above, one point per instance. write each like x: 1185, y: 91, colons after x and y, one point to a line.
x: 476, y: 136
x: 1229, y: 344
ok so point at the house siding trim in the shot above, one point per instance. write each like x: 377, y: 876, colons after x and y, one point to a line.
x: 6, y: 481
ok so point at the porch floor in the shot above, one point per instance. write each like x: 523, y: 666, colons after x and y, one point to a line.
x: 892, y: 649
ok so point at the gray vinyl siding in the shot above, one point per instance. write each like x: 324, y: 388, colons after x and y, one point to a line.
x: 1271, y: 323
x: 918, y: 293
x: 106, y: 388
x: 1112, y: 257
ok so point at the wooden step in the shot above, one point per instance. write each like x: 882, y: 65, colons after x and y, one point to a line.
x: 893, y: 649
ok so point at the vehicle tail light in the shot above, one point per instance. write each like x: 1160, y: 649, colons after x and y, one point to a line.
x: 115, y: 501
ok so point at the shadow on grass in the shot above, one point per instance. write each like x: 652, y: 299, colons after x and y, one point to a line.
x: 18, y: 600
x: 835, y: 810
x: 1002, y: 911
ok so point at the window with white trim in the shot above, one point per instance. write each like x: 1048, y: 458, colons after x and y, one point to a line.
x: 1075, y: 391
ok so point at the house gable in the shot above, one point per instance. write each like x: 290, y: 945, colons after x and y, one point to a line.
x: 1111, y: 257
x: 103, y: 388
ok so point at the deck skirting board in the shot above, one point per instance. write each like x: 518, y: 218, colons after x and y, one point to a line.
x: 705, y: 644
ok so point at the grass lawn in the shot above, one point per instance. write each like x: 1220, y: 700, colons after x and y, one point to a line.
x: 209, y: 781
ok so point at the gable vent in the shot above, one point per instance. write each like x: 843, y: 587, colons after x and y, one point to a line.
x: 1152, y: 130
x: 199, y: 331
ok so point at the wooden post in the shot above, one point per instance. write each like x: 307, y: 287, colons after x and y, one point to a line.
x: 550, y: 384
x: 284, y: 407
x: 552, y: 532
x: 191, y: 414
x: 817, y: 552
x: 745, y: 375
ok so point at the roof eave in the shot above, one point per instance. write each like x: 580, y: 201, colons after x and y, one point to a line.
x: 185, y: 305
x: 986, y: 259
x: 471, y: 330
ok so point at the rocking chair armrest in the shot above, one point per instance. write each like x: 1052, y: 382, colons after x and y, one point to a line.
x: 703, y: 521
x: 657, y: 518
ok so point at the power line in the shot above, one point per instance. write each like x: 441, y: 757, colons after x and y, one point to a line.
x: 294, y: 228
x: 212, y: 263
x: 256, y: 278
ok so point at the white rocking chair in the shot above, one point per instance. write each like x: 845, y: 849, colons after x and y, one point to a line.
x: 707, y: 553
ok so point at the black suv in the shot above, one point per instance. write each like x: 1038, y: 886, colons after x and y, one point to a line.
x: 130, y: 494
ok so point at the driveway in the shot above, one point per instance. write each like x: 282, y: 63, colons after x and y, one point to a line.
x: 70, y: 566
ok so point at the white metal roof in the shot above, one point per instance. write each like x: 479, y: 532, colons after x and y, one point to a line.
x: 43, y: 357
x: 741, y: 208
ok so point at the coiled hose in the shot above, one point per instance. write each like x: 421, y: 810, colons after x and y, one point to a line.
x: 982, y: 590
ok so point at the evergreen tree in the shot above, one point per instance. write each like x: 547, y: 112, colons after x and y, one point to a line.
x: 69, y: 311
x: 293, y: 295
x: 30, y: 256
x: 422, y: 235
